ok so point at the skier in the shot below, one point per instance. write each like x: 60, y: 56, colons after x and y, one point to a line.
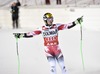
x: 51, y: 43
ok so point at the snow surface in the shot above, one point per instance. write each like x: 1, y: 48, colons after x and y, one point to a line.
x: 33, y: 59
x: 31, y: 50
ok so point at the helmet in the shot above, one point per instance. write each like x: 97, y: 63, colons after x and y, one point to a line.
x: 47, y: 16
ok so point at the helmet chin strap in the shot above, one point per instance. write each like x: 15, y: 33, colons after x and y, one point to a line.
x: 47, y: 24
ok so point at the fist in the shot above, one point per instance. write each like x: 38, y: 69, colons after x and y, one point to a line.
x: 17, y: 35
x: 80, y: 20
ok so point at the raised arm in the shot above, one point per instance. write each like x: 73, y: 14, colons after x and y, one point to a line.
x: 33, y: 33
x: 27, y: 35
x: 70, y: 25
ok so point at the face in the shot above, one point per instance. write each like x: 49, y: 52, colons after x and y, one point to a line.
x: 14, y: 4
x: 49, y: 21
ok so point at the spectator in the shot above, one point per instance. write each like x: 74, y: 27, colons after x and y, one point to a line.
x: 15, y: 14
x: 58, y: 2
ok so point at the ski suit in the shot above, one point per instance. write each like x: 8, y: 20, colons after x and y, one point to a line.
x: 51, y: 44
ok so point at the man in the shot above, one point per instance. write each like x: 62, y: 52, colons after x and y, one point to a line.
x: 51, y: 44
x: 15, y: 14
x: 58, y: 2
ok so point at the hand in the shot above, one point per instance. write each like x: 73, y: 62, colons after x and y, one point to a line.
x: 79, y: 20
x: 18, y: 35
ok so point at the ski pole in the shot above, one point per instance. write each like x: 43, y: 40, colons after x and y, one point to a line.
x: 81, y: 46
x: 18, y: 56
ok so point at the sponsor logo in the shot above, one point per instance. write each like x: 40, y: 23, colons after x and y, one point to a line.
x: 50, y: 32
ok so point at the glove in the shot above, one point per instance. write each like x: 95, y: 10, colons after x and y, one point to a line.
x: 79, y: 20
x: 18, y: 35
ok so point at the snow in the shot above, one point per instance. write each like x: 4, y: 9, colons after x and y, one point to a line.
x: 31, y: 50
x: 33, y: 59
